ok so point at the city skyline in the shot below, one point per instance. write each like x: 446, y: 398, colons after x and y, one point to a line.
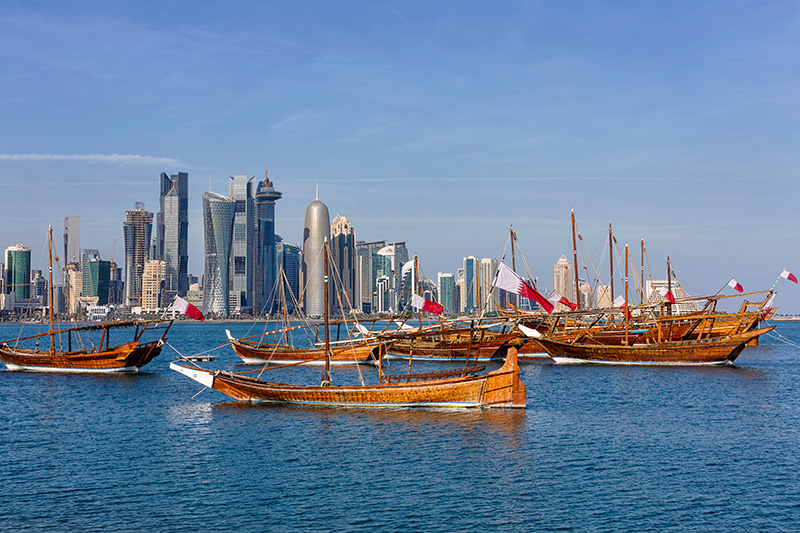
x: 439, y: 126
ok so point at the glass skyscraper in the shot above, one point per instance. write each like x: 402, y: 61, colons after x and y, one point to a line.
x: 96, y: 275
x: 18, y: 271
x: 173, y: 233
x: 72, y: 240
x: 241, y: 267
x: 264, y: 258
x: 343, y: 250
x: 218, y: 214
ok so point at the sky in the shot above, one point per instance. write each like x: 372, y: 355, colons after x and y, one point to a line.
x: 437, y: 123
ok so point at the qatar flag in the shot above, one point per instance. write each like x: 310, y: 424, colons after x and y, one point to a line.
x: 735, y: 285
x: 664, y: 292
x: 563, y: 300
x: 788, y: 275
x: 619, y: 301
x: 508, y: 280
x: 419, y: 302
x: 187, y: 309
x: 768, y: 306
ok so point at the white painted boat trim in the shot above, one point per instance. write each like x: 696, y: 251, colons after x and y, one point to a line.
x: 204, y: 377
x: 23, y: 368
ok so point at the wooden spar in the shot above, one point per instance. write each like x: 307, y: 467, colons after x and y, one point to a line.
x: 669, y: 286
x: 641, y: 286
x: 513, y: 258
x: 50, y: 288
x: 575, y: 262
x: 611, y: 259
x: 627, y: 312
x: 327, y: 380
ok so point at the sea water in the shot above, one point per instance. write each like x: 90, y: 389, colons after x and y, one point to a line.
x: 598, y: 448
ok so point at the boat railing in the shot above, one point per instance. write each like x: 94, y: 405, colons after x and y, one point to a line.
x: 397, y: 378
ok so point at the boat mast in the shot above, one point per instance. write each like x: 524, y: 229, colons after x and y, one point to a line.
x: 626, y: 295
x: 611, y: 259
x: 50, y: 288
x: 327, y: 379
x: 513, y: 259
x: 641, y: 285
x: 575, y: 262
x: 669, y: 286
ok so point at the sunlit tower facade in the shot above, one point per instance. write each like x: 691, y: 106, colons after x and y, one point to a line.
x: 343, y: 250
x: 240, y: 190
x: 317, y: 230
x: 18, y: 271
x: 218, y: 213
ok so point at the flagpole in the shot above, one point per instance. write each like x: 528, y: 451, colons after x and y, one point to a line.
x: 722, y: 288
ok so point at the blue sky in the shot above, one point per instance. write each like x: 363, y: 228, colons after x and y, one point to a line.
x: 439, y: 123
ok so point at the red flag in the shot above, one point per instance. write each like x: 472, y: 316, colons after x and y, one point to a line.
x: 563, y: 300
x: 187, y: 309
x: 510, y: 281
x: 788, y: 275
x: 426, y: 305
x: 664, y: 292
x: 735, y: 285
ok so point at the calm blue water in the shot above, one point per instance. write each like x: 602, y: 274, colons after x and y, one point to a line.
x: 599, y: 448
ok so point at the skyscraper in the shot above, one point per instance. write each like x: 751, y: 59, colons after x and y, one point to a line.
x: 264, y: 256
x: 564, y: 282
x: 18, y: 271
x: 136, y: 230
x: 96, y: 275
x: 240, y: 189
x: 153, y: 284
x: 316, y: 231
x: 72, y: 240
x: 365, y: 277
x: 218, y: 214
x: 290, y: 259
x: 447, y: 285
x: 488, y: 272
x: 173, y: 233
x: 469, y: 290
x: 343, y: 248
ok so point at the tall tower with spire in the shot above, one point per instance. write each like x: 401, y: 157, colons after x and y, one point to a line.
x: 316, y: 231
x: 264, y: 256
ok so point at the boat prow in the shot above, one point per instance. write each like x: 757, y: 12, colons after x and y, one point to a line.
x: 200, y: 375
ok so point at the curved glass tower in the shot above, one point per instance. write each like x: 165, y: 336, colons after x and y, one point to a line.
x: 218, y: 214
x: 317, y: 230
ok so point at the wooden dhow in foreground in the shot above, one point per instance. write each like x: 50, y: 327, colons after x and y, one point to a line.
x: 456, y: 388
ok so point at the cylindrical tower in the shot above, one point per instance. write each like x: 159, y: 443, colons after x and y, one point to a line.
x: 317, y: 229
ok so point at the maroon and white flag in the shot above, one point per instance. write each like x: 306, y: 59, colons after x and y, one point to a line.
x: 735, y: 285
x: 563, y: 300
x: 664, y: 292
x: 619, y: 301
x: 187, y: 309
x: 510, y: 281
x: 419, y: 302
x: 768, y: 306
x: 788, y: 275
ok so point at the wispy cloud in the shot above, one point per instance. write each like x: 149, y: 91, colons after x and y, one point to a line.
x: 94, y: 158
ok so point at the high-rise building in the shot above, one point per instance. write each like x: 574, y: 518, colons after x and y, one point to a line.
x: 365, y: 277
x: 173, y: 233
x: 218, y: 211
x: 564, y: 282
x: 488, y: 272
x: 96, y: 275
x: 316, y: 231
x: 264, y: 254
x: 240, y: 189
x: 469, y: 289
x: 154, y: 284
x: 447, y: 287
x: 18, y: 271
x: 136, y: 229
x: 343, y: 250
x: 289, y: 258
x: 72, y: 240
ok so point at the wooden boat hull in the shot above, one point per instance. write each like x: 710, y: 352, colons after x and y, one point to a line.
x: 129, y: 357
x: 713, y: 351
x: 499, y: 388
x: 262, y: 353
